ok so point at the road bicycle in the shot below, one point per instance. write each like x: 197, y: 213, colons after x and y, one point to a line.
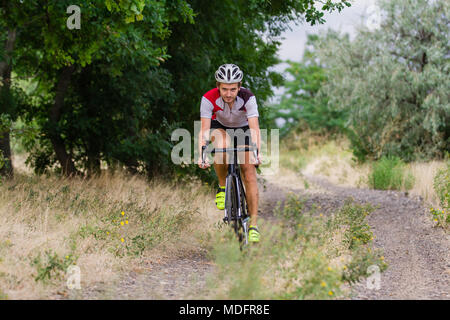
x: 236, y: 209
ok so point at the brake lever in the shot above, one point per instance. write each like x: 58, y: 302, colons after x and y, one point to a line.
x: 255, y: 153
x: 204, y: 153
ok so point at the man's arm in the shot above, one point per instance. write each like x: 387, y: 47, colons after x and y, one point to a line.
x: 203, y: 135
x: 253, y: 124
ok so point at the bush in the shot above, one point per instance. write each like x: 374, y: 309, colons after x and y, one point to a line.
x: 389, y: 174
x: 396, y: 98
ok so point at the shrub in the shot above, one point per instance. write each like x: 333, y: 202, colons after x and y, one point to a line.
x: 397, y: 99
x: 389, y: 174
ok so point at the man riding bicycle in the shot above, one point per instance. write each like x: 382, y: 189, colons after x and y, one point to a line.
x: 225, y: 109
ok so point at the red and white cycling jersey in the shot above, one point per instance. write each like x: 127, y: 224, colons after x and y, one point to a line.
x: 245, y: 106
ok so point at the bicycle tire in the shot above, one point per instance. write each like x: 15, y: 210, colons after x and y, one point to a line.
x: 244, y: 214
x: 232, y: 209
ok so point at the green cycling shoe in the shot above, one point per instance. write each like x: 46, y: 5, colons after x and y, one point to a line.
x: 220, y: 198
x: 253, y: 234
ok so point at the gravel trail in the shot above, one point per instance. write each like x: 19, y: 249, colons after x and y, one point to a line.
x: 418, y: 255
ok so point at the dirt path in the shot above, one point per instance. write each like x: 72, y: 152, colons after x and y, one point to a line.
x: 170, y: 279
x: 417, y: 254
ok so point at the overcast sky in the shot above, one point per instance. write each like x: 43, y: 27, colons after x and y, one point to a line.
x: 293, y: 44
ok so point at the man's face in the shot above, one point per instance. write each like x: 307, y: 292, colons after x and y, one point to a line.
x: 228, y: 91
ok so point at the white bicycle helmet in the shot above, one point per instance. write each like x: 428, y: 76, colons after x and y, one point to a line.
x: 229, y: 73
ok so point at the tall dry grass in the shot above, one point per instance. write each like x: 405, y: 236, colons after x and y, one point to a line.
x: 331, y: 158
x: 48, y: 223
x: 424, y: 173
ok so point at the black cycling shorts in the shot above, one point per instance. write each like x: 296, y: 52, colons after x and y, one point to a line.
x: 237, y: 135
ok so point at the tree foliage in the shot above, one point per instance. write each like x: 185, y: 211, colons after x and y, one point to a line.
x: 116, y: 88
x: 394, y: 81
x: 301, y: 103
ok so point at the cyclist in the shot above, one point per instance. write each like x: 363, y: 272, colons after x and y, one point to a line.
x: 230, y: 106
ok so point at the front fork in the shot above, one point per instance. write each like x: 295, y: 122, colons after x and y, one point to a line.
x: 245, y: 223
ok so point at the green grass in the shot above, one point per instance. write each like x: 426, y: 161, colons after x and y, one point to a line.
x: 389, y: 173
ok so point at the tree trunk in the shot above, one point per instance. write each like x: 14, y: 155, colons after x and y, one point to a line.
x: 5, y: 73
x: 7, y: 169
x: 68, y: 167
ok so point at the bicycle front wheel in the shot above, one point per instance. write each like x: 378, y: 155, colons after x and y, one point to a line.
x: 233, y: 205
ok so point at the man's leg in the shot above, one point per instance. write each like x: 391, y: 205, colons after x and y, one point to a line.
x: 248, y: 172
x: 220, y: 140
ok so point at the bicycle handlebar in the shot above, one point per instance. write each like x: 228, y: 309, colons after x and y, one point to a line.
x: 223, y: 150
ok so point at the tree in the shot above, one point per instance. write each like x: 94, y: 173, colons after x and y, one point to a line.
x: 136, y: 69
x: 394, y: 82
x: 301, y: 104
x: 63, y: 54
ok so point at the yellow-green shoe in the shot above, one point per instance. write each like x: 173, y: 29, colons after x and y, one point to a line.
x: 253, y: 234
x: 220, y: 198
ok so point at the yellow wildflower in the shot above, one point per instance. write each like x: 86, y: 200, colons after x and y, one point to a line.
x: 121, y: 223
x: 323, y: 284
x: 122, y: 239
x: 126, y: 221
x: 122, y: 213
x: 330, y: 293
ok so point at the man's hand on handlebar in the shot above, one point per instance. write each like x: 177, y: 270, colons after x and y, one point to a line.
x: 203, y: 165
x: 258, y: 159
